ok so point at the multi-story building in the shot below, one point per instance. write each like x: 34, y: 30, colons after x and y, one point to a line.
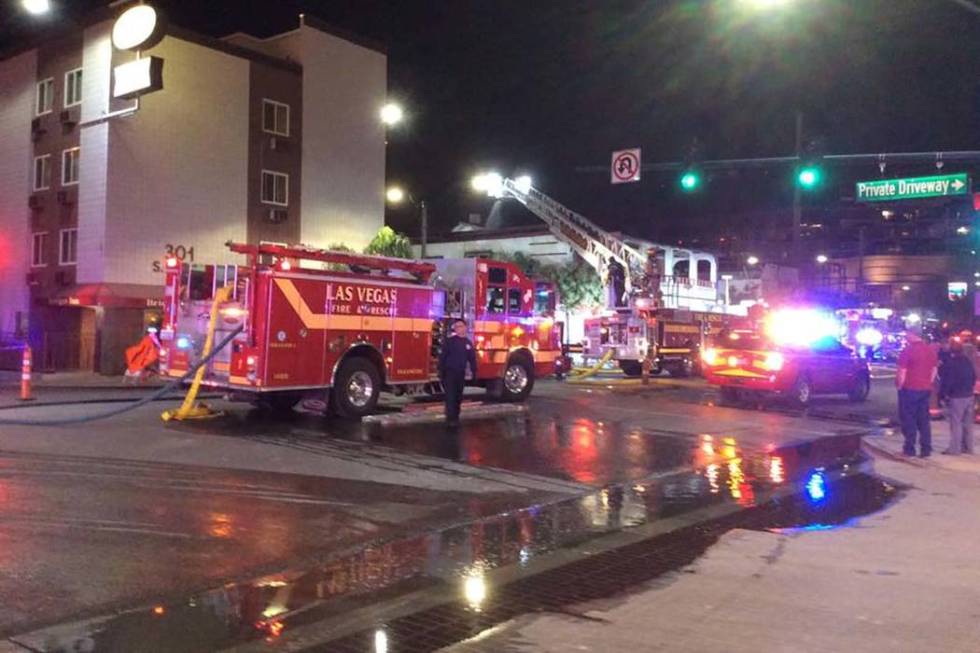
x: 249, y: 140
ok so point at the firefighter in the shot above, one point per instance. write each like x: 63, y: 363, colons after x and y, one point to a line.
x: 457, y: 353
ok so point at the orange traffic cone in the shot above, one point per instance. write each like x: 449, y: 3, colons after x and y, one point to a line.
x: 25, y: 375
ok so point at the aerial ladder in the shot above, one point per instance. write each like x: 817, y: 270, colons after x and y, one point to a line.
x: 651, y: 314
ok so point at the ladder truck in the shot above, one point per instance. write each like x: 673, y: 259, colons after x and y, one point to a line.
x: 661, y: 301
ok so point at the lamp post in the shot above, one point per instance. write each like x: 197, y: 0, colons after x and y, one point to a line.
x: 395, y: 195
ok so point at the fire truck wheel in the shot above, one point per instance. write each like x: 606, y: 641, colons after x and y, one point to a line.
x: 356, y: 388
x: 682, y: 369
x: 518, y: 379
x: 631, y: 368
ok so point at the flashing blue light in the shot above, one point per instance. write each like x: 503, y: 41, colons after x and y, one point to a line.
x: 816, y: 487
x: 183, y: 342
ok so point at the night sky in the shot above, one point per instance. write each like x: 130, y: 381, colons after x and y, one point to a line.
x: 546, y: 86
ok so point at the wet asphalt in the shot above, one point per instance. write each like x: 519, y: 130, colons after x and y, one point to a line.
x: 84, y: 534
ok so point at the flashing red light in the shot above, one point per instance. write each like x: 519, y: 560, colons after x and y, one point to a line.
x: 285, y: 265
x: 171, y: 261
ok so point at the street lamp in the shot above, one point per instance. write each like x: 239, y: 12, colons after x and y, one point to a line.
x: 821, y: 258
x: 492, y: 183
x: 752, y: 260
x: 395, y: 195
x: 36, y: 7
x: 392, y: 114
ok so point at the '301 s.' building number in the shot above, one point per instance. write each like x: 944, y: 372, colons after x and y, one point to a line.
x: 182, y: 252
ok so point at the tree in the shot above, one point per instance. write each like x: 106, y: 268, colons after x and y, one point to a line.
x: 388, y: 242
x: 579, y: 286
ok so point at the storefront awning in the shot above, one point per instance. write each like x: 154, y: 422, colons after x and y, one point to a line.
x: 110, y: 295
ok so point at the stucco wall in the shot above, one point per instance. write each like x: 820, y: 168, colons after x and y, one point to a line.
x: 177, y: 169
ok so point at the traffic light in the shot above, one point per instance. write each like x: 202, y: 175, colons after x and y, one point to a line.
x: 809, y: 176
x: 690, y: 181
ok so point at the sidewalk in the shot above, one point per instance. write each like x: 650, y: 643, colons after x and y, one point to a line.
x: 902, y: 580
x: 65, y: 380
x: 889, y: 444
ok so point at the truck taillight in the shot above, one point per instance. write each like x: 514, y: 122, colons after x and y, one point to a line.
x: 164, y: 360
x: 251, y: 368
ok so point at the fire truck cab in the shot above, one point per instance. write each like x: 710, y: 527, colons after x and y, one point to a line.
x: 343, y: 327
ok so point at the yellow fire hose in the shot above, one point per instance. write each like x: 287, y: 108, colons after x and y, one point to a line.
x: 190, y: 409
x: 581, y: 374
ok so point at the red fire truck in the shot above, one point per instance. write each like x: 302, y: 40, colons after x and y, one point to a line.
x: 342, y: 327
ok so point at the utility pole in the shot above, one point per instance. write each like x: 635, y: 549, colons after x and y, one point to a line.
x: 424, y: 214
x: 797, y: 191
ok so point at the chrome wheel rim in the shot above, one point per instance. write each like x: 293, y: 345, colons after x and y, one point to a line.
x: 803, y: 393
x: 360, y: 388
x: 515, y: 378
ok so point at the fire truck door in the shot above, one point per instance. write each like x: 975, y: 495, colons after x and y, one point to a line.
x: 296, y: 332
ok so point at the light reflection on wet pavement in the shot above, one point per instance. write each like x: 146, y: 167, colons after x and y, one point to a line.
x: 320, y: 550
x: 447, y: 573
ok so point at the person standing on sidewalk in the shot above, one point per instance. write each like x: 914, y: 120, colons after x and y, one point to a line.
x: 916, y: 372
x: 457, y: 352
x: 956, y: 380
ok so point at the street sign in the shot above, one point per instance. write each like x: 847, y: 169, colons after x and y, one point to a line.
x: 625, y: 166
x: 889, y: 190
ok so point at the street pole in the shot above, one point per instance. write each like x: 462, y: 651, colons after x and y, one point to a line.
x: 797, y: 191
x: 425, y: 227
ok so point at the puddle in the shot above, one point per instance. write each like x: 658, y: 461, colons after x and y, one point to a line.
x: 466, y: 578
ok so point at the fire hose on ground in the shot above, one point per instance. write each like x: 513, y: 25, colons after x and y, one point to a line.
x: 187, y: 410
x: 581, y: 374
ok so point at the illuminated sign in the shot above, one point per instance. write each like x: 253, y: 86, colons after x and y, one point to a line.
x: 886, y: 190
x: 137, y: 77
x: 956, y: 290
x: 138, y: 28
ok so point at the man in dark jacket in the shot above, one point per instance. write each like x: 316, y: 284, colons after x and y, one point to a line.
x: 956, y: 380
x: 457, y: 353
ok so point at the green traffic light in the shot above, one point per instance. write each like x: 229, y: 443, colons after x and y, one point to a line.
x: 809, y: 177
x: 690, y: 181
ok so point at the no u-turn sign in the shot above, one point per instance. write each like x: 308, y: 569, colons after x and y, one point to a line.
x: 625, y: 166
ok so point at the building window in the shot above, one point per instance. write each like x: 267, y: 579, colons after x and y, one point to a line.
x: 514, y: 301
x: 275, y: 117
x: 275, y: 188
x: 45, y: 96
x: 73, y: 87
x: 69, y: 166
x: 39, y: 250
x: 495, y: 300
x: 42, y: 172
x: 68, y: 251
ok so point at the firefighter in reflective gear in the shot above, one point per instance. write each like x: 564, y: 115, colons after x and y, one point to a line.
x: 457, y: 353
